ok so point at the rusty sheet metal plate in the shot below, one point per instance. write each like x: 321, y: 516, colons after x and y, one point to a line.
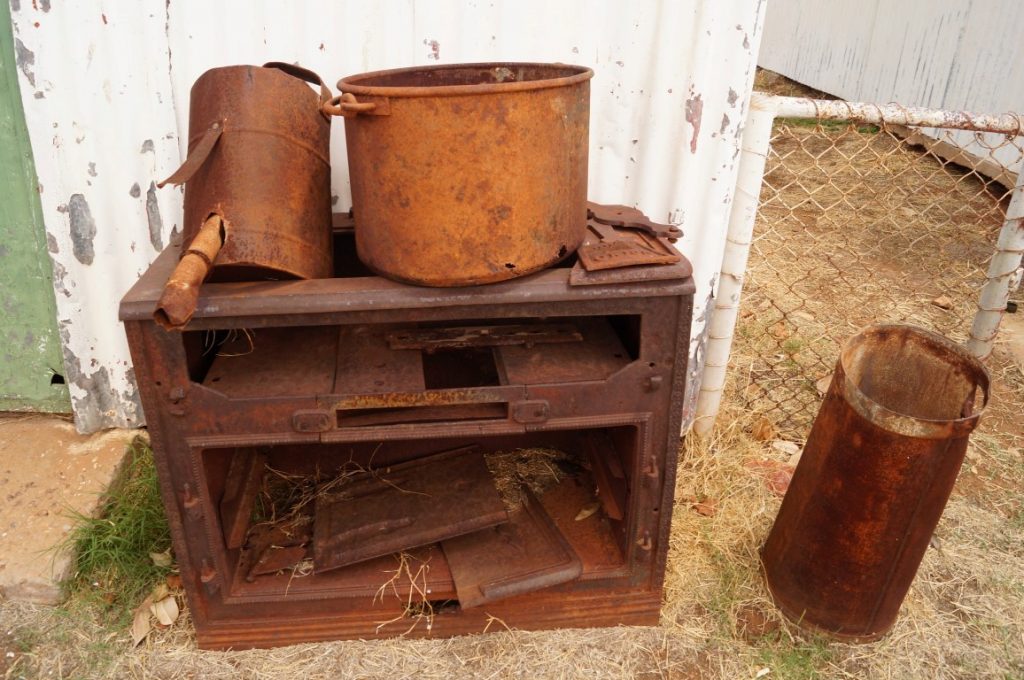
x: 240, y: 489
x: 578, y: 276
x: 608, y: 474
x: 593, y: 538
x: 366, y: 365
x: 608, y: 247
x: 630, y: 218
x: 525, y: 554
x: 277, y: 558
x: 482, y: 336
x: 415, y: 572
x: 265, y: 540
x: 599, y: 356
x: 406, y: 506
x: 275, y: 362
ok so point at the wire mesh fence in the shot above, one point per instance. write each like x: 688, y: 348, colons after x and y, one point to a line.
x: 860, y: 224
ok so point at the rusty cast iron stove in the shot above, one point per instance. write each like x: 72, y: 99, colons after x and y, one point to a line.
x: 353, y: 457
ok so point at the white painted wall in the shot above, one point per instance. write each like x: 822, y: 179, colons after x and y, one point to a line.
x: 106, y: 89
x: 942, y: 54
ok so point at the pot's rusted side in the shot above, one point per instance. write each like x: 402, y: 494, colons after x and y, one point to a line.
x: 268, y: 175
x: 470, y: 188
x: 874, y: 477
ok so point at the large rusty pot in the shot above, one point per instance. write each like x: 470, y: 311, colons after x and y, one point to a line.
x: 873, y: 479
x: 468, y: 173
x: 257, y: 183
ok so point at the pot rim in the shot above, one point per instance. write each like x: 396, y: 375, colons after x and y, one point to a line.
x: 350, y: 84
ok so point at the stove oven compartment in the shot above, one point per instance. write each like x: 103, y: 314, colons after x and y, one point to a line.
x: 560, y: 466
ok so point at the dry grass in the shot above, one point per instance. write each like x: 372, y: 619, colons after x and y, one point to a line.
x: 962, y: 618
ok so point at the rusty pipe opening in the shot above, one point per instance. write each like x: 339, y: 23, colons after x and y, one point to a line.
x: 914, y: 382
x: 178, y: 302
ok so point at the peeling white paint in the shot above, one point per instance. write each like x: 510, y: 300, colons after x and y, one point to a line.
x: 116, y: 79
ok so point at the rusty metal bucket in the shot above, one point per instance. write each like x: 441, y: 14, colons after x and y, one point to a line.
x: 873, y: 479
x: 468, y: 173
x: 257, y: 183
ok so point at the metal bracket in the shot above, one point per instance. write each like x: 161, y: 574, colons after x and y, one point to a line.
x: 525, y: 412
x: 311, y: 420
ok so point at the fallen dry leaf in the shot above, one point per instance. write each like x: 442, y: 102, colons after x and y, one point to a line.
x: 803, y: 316
x: 165, y: 611
x: 161, y: 559
x: 160, y: 591
x: 140, y: 622
x: 705, y: 508
x: 763, y: 430
x: 786, y: 448
x: 777, y: 475
x: 587, y: 510
x: 823, y: 384
x: 943, y: 302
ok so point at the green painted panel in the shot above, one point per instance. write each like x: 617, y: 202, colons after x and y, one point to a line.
x: 31, y: 370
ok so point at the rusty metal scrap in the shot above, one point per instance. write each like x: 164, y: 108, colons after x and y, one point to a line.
x: 631, y: 218
x: 874, y: 477
x: 482, y: 336
x: 525, y: 554
x: 407, y: 506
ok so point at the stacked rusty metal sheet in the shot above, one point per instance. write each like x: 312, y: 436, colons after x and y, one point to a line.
x: 333, y: 452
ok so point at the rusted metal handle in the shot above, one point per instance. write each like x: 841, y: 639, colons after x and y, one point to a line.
x: 347, y: 106
x: 197, y: 155
x: 178, y: 301
x: 301, y: 73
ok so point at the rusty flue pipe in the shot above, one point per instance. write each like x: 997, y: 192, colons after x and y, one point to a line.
x: 178, y: 302
x: 874, y: 477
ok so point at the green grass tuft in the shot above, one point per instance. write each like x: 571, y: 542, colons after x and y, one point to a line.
x: 113, y: 566
x: 799, y: 659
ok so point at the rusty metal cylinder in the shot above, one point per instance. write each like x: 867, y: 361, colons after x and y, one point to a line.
x: 469, y: 173
x: 268, y: 176
x: 873, y: 480
x: 259, y: 159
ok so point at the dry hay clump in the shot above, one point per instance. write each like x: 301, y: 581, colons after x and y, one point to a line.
x: 538, y: 469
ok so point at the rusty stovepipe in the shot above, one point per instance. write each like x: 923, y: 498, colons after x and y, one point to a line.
x: 178, y: 301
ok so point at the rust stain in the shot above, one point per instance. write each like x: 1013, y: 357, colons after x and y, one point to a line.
x: 435, y: 49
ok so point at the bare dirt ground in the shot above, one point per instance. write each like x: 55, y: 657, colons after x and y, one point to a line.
x: 962, y: 618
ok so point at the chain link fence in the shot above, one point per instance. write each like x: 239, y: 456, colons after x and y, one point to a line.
x: 861, y: 224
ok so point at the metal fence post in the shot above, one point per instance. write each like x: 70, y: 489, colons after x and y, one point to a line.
x: 757, y: 135
x: 1002, y: 271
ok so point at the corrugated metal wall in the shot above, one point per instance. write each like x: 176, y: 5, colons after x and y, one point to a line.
x: 944, y: 54
x: 106, y: 90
